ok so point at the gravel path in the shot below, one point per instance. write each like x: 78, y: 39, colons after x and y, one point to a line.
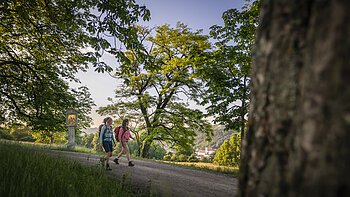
x: 164, y: 179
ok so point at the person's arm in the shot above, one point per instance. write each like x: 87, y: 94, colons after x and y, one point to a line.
x: 113, y: 138
x: 130, y: 135
x: 102, y: 133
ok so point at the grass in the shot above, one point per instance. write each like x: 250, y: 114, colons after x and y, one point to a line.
x: 210, y: 167
x: 233, y: 171
x: 28, y: 171
x: 61, y: 147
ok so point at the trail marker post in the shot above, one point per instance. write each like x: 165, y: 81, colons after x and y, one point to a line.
x: 72, y: 122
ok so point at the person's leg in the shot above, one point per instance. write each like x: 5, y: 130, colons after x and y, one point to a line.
x: 127, y: 151
x: 105, y: 147
x: 116, y: 160
x: 109, y: 154
x: 121, y: 153
x: 128, y: 154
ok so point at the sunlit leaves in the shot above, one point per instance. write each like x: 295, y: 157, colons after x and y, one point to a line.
x: 155, y: 78
x: 227, y: 72
x: 44, y: 42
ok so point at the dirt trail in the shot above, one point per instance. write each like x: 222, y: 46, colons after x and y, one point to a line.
x: 164, y: 179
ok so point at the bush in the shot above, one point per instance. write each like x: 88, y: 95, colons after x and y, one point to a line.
x: 182, y: 158
x: 4, y: 134
x: 156, y: 151
x: 167, y: 157
x: 174, y: 158
x: 192, y: 158
x: 205, y: 160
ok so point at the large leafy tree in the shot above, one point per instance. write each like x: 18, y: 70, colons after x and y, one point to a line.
x: 44, y: 42
x: 228, y: 67
x: 156, y: 79
x: 229, y: 153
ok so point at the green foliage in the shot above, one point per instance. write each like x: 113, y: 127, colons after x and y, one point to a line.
x: 167, y: 157
x: 96, y: 143
x: 45, y: 43
x: 218, y: 138
x: 153, y: 81
x: 22, y: 134
x: 28, y: 172
x: 174, y: 157
x: 205, y: 160
x: 192, y: 158
x: 156, y: 151
x: 182, y: 158
x: 227, y: 71
x: 87, y: 140
x: 48, y: 137
x: 229, y: 152
x: 5, y: 134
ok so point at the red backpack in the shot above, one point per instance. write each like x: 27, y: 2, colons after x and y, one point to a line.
x: 116, y: 133
x: 99, y: 130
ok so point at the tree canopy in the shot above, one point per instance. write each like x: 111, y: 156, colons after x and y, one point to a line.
x: 157, y: 80
x: 45, y: 43
x: 227, y: 69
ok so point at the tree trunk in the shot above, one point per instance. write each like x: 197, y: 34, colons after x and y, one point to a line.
x: 145, y: 148
x: 298, y: 138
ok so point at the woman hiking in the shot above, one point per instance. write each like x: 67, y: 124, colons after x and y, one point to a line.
x: 106, y: 139
x: 122, y: 134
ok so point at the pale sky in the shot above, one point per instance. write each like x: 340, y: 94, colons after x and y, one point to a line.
x: 197, y: 14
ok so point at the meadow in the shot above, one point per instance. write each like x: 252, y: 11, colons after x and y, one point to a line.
x: 27, y: 171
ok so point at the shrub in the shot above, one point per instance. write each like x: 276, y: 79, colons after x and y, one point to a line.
x: 192, y: 158
x: 5, y: 135
x: 205, y: 160
x: 174, y: 158
x: 182, y: 158
x: 167, y: 157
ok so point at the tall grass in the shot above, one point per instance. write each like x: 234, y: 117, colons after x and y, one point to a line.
x: 29, y: 172
x: 233, y: 171
x: 61, y: 147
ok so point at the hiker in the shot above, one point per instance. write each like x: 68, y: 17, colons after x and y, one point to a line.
x: 122, y: 134
x: 106, y: 139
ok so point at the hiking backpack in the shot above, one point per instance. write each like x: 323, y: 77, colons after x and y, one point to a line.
x: 116, y: 133
x: 99, y: 130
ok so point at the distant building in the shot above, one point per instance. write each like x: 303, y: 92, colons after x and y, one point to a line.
x: 208, y: 152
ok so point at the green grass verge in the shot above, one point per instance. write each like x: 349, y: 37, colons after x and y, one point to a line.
x: 29, y: 172
x: 61, y: 147
x: 209, y: 167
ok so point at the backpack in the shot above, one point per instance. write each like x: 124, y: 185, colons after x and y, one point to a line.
x: 116, y: 133
x: 99, y: 130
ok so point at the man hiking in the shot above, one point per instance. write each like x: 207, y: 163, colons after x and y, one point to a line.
x: 106, y: 139
x: 122, y: 134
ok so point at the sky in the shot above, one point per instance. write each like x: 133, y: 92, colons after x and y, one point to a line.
x: 196, y: 14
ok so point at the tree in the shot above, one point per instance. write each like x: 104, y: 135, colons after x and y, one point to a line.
x: 43, y: 43
x: 87, y: 140
x: 227, y: 72
x: 229, y: 153
x: 154, y: 80
x: 298, y: 135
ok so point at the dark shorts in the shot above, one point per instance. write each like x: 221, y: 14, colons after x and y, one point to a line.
x: 107, y: 146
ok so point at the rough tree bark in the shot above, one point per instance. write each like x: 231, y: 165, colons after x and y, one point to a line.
x: 298, y: 140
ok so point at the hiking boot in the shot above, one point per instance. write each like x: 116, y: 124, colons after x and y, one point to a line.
x: 131, y: 164
x: 116, y: 161
x: 107, y: 167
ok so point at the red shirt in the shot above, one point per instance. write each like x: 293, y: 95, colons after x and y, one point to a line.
x: 124, y: 136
